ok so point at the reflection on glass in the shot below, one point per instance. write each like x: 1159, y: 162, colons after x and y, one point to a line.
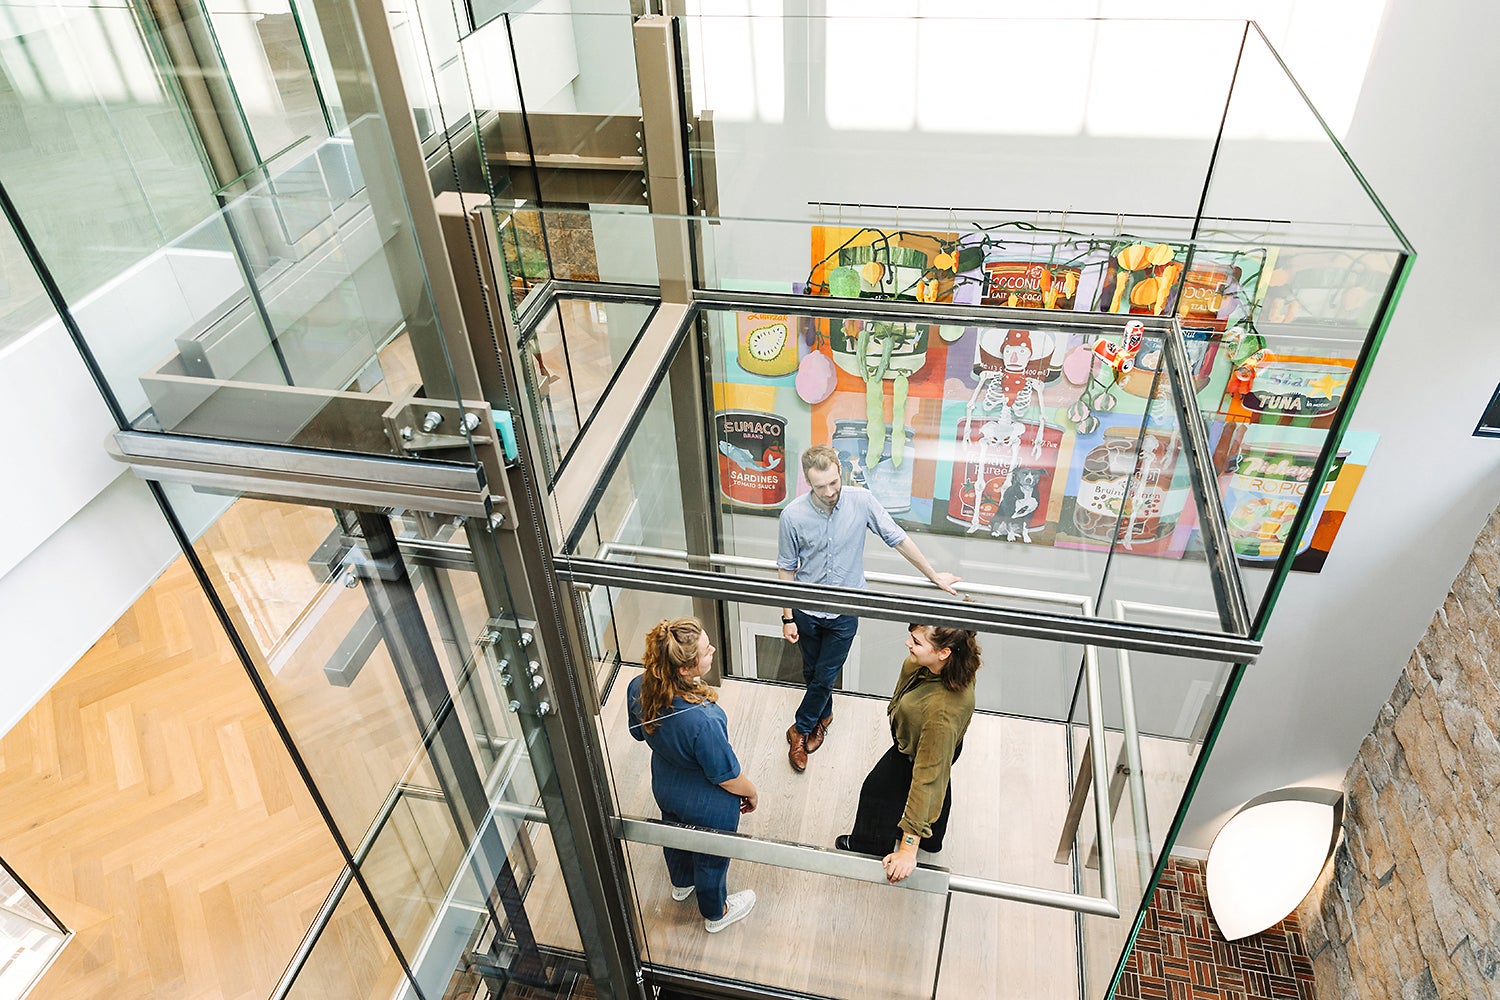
x: 30, y: 936
x: 269, y: 74
x: 572, y: 356
x: 351, y: 958
x: 290, y: 317
x: 869, y: 939
x: 96, y: 156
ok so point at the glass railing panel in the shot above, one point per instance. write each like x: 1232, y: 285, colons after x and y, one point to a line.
x: 1010, y: 790
x: 572, y: 356
x: 264, y: 74
x: 414, y: 858
x: 291, y: 316
x: 1295, y: 357
x: 997, y: 949
x: 351, y: 958
x: 1160, y: 712
x: 1271, y: 135
x: 641, y: 499
x: 1068, y: 261
x: 1137, y: 494
x: 875, y: 100
x: 311, y: 631
x: 99, y: 163
x: 1011, y: 487
x: 29, y: 933
x: 577, y: 147
x: 1328, y: 257
x: 874, y: 939
x: 397, y: 689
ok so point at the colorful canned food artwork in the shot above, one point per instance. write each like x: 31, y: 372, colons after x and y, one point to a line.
x: 1030, y: 284
x: 752, y: 458
x: 891, y: 485
x: 1296, y: 389
x: 1204, y: 291
x: 1122, y: 493
x: 1263, y: 494
x: 766, y: 344
x: 983, y: 483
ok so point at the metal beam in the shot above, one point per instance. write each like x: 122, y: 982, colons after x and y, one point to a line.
x: 301, y: 475
x: 840, y: 600
x: 902, y: 311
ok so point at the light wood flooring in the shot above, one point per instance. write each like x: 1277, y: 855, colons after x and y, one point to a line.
x: 148, y: 801
x: 852, y: 939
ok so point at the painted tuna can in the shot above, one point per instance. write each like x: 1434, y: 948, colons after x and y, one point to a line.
x: 752, y: 458
x: 1263, y: 494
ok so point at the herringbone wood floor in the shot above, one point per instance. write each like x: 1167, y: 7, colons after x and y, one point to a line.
x: 148, y: 801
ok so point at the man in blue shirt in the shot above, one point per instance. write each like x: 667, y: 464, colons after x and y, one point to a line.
x: 822, y: 540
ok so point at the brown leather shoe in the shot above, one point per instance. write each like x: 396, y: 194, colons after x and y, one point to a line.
x: 819, y: 733
x: 796, y: 749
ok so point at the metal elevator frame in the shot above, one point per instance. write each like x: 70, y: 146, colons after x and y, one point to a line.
x: 526, y: 551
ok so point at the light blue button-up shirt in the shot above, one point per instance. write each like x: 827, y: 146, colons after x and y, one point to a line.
x: 828, y: 546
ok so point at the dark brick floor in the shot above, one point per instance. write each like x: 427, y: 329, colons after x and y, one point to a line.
x: 1180, y: 955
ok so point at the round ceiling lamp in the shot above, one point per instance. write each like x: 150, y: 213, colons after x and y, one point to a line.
x: 1264, y: 861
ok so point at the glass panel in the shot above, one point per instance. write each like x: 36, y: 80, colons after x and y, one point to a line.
x: 870, y: 939
x: 643, y: 501
x: 270, y: 76
x: 577, y: 151
x: 351, y: 958
x: 1150, y: 561
x: 268, y: 320
x: 386, y: 672
x: 96, y: 157
x: 1010, y: 793
x: 789, y: 93
x: 29, y: 936
x: 1295, y: 369
x: 1015, y: 480
x: 572, y: 356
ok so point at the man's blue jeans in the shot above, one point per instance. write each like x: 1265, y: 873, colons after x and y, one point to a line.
x: 824, y: 643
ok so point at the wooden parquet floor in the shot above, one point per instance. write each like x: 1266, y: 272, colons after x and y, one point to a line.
x: 148, y: 801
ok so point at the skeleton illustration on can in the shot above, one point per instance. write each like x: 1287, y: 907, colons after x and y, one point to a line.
x: 1008, y: 385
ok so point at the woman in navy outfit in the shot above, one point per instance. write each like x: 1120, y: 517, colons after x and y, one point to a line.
x: 695, y: 775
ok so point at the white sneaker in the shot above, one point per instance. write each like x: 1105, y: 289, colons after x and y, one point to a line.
x: 735, y: 907
x: 682, y: 893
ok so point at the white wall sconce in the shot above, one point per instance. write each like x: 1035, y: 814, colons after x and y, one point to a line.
x: 1264, y: 861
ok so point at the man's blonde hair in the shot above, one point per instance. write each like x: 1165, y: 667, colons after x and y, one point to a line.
x: 820, y: 456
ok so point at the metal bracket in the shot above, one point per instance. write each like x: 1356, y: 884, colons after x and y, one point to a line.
x: 416, y: 425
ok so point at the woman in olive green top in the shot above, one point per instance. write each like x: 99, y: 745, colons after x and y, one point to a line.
x: 906, y: 798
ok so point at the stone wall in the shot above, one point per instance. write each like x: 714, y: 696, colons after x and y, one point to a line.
x: 1409, y: 907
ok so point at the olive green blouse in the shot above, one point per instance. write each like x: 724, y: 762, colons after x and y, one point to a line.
x: 927, y: 722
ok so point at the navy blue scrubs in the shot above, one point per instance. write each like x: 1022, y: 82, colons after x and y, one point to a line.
x: 690, y: 756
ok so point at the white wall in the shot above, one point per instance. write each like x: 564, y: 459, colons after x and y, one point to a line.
x: 83, y: 536
x: 1427, y: 142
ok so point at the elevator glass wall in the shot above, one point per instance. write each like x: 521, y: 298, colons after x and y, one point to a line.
x: 686, y: 250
